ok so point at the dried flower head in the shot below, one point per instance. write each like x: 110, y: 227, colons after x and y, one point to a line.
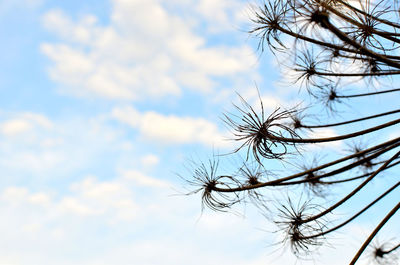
x: 355, y: 148
x: 328, y: 95
x: 313, y: 181
x: 309, y: 68
x: 206, y: 180
x: 296, y: 120
x: 260, y: 133
x: 269, y: 18
x: 384, y: 254
x: 301, y: 235
x: 254, y: 173
x: 366, y: 28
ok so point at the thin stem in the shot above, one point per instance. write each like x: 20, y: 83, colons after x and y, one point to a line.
x: 351, y: 194
x: 373, y: 234
x: 345, y: 180
x: 355, y: 178
x: 343, y: 36
x: 386, y: 35
x: 349, y: 166
x: 381, y: 73
x: 274, y: 137
x: 392, y: 249
x: 350, y: 121
x: 356, y: 215
x: 384, y: 21
x: 394, y: 142
x: 314, y: 41
x: 369, y: 94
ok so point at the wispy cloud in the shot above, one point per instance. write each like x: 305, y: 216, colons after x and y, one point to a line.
x: 171, y: 129
x: 23, y: 122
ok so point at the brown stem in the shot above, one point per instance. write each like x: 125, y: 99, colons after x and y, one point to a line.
x: 274, y: 137
x: 381, y: 73
x: 386, y: 35
x: 351, y: 194
x: 356, y: 215
x: 395, y: 142
x: 341, y: 35
x: 384, y: 21
x: 373, y: 234
x: 369, y: 94
x: 351, y: 121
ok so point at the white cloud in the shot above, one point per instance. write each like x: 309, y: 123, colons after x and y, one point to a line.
x: 66, y: 224
x: 129, y: 223
x: 8, y: 6
x: 15, y: 126
x: 32, y: 144
x: 20, y: 195
x: 150, y: 160
x: 141, y: 55
x: 224, y: 14
x: 40, y: 198
x: 24, y: 122
x: 72, y: 205
x: 324, y: 133
x: 88, y: 197
x: 57, y: 21
x: 171, y: 129
x: 143, y: 180
x: 14, y: 194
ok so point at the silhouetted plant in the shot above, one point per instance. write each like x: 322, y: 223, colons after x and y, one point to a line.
x: 384, y: 253
x: 329, y: 41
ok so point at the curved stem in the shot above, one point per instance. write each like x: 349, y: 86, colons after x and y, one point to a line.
x: 392, y: 249
x: 315, y: 41
x: 384, y: 21
x: 350, y: 121
x: 343, y: 36
x: 356, y: 215
x: 395, y: 142
x: 346, y: 167
x: 345, y: 180
x: 325, y: 44
x: 373, y: 234
x: 355, y: 178
x: 369, y: 94
x: 353, y: 74
x: 349, y: 166
x: 274, y: 137
x: 386, y: 35
x: 351, y: 194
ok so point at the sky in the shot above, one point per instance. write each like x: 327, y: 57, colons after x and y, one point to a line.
x: 103, y: 105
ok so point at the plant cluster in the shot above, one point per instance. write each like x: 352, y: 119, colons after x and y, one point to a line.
x: 332, y: 44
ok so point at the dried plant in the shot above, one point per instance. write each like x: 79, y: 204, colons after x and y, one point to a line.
x: 333, y: 45
x: 384, y: 253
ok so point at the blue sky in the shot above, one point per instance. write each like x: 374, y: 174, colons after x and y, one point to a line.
x: 103, y: 103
